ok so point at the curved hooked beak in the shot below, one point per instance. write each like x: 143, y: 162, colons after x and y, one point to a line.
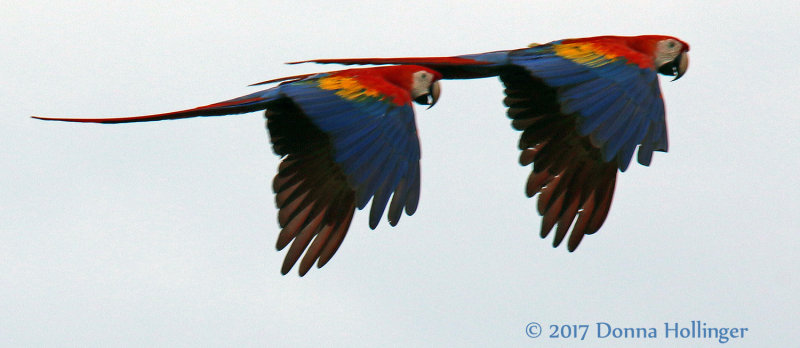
x: 431, y: 97
x: 677, y: 67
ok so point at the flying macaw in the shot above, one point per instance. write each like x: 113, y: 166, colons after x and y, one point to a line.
x: 583, y: 106
x: 345, y: 137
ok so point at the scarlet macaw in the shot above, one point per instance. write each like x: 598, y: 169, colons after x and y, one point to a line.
x: 345, y: 137
x: 583, y: 106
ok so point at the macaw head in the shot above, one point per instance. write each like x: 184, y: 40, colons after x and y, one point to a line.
x: 425, y: 89
x: 671, y: 58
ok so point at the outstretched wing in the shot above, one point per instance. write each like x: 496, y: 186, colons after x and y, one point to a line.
x: 346, y: 139
x: 611, y: 89
x: 583, y: 108
x: 569, y: 174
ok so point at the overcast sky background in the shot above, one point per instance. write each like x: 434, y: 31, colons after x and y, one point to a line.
x: 163, y: 233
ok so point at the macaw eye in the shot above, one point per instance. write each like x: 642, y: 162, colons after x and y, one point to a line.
x: 671, y: 44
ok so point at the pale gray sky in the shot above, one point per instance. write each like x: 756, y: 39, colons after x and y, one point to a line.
x: 163, y: 233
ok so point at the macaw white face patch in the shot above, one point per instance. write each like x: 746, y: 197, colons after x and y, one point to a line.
x: 424, y: 90
x: 421, y: 84
x: 667, y: 50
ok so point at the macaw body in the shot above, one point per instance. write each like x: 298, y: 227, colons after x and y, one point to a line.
x: 583, y: 106
x: 345, y: 137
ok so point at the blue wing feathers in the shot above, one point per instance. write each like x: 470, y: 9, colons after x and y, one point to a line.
x: 618, y: 104
x: 413, y: 189
x: 608, y: 132
x: 368, y: 183
x: 625, y: 140
x: 497, y: 57
x: 588, y: 124
x: 609, y: 117
x: 350, y: 137
x: 378, y: 206
x: 586, y: 100
x: 629, y: 146
x: 581, y: 91
x: 645, y: 155
x: 377, y: 139
x: 572, y: 78
x: 356, y: 143
x: 398, y: 201
x: 366, y: 161
x: 370, y: 156
x: 383, y: 167
x: 391, y: 173
x: 625, y: 134
x: 374, y: 141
